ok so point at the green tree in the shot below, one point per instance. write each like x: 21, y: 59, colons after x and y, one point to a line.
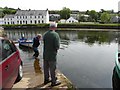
x: 65, y: 13
x: 82, y: 18
x: 105, y: 17
x: 87, y: 12
x: 94, y: 15
x: 102, y: 11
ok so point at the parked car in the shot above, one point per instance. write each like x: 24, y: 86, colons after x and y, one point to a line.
x: 116, y: 73
x: 10, y: 64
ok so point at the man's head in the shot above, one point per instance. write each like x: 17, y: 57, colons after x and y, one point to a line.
x: 39, y: 36
x: 2, y: 33
x: 53, y: 26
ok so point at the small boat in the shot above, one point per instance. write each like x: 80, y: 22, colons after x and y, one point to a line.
x: 25, y: 42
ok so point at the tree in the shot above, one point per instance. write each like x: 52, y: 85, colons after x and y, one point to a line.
x: 94, y: 15
x: 102, y: 11
x: 105, y: 17
x: 65, y: 13
x: 87, y: 12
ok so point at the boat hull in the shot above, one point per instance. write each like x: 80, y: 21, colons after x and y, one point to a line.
x: 27, y: 43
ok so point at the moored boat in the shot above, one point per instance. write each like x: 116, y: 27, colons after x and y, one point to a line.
x: 25, y: 42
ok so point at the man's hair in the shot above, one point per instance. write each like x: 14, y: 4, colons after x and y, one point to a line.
x: 53, y: 25
x: 2, y: 33
x: 39, y: 35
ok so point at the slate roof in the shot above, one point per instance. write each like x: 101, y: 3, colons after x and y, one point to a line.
x: 9, y: 16
x: 30, y: 12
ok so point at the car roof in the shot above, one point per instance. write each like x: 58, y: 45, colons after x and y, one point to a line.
x: 4, y: 38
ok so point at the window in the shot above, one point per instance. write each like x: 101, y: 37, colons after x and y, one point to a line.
x: 17, y: 22
x: 20, y: 22
x: 31, y: 21
x: 42, y: 21
x: 38, y: 21
x: 35, y: 21
x: 26, y: 22
x: 7, y: 48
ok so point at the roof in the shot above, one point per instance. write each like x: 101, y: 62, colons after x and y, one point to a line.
x: 54, y: 15
x: 71, y: 18
x: 30, y: 12
x: 9, y: 16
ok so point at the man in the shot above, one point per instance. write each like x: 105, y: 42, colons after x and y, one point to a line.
x: 36, y: 43
x: 51, y: 42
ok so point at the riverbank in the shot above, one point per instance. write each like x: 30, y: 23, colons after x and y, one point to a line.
x: 66, y: 25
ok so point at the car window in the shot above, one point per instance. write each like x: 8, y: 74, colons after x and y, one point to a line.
x: 7, y: 48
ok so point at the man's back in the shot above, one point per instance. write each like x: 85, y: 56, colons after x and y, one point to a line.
x: 51, y: 44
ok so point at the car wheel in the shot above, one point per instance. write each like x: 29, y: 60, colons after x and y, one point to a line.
x: 20, y: 74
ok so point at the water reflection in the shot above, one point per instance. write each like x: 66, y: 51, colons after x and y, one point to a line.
x: 97, y: 37
x: 84, y: 36
x: 37, y: 66
x: 26, y: 49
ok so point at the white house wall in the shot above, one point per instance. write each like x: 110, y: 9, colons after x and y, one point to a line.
x: 27, y: 19
x: 42, y: 19
x: 1, y: 21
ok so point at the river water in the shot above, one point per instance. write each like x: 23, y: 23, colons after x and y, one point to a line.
x: 87, y: 58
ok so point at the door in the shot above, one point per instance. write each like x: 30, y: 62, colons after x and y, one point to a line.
x: 8, y: 64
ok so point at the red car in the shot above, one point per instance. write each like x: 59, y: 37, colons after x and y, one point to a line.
x: 10, y: 64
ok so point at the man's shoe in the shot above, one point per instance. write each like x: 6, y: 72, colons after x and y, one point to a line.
x: 55, y: 84
x: 46, y: 82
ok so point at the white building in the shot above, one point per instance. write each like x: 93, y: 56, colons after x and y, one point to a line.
x: 71, y: 20
x: 1, y: 21
x: 75, y: 14
x: 62, y: 21
x: 27, y: 17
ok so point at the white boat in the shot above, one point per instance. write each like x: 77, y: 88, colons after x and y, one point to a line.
x: 25, y: 42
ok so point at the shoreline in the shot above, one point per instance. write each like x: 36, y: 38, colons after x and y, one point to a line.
x: 87, y: 29
x: 64, y: 26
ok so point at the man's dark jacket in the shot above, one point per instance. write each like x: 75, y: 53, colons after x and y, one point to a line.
x: 51, y: 45
x: 36, y: 42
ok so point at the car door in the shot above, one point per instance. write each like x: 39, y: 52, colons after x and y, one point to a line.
x: 8, y: 64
